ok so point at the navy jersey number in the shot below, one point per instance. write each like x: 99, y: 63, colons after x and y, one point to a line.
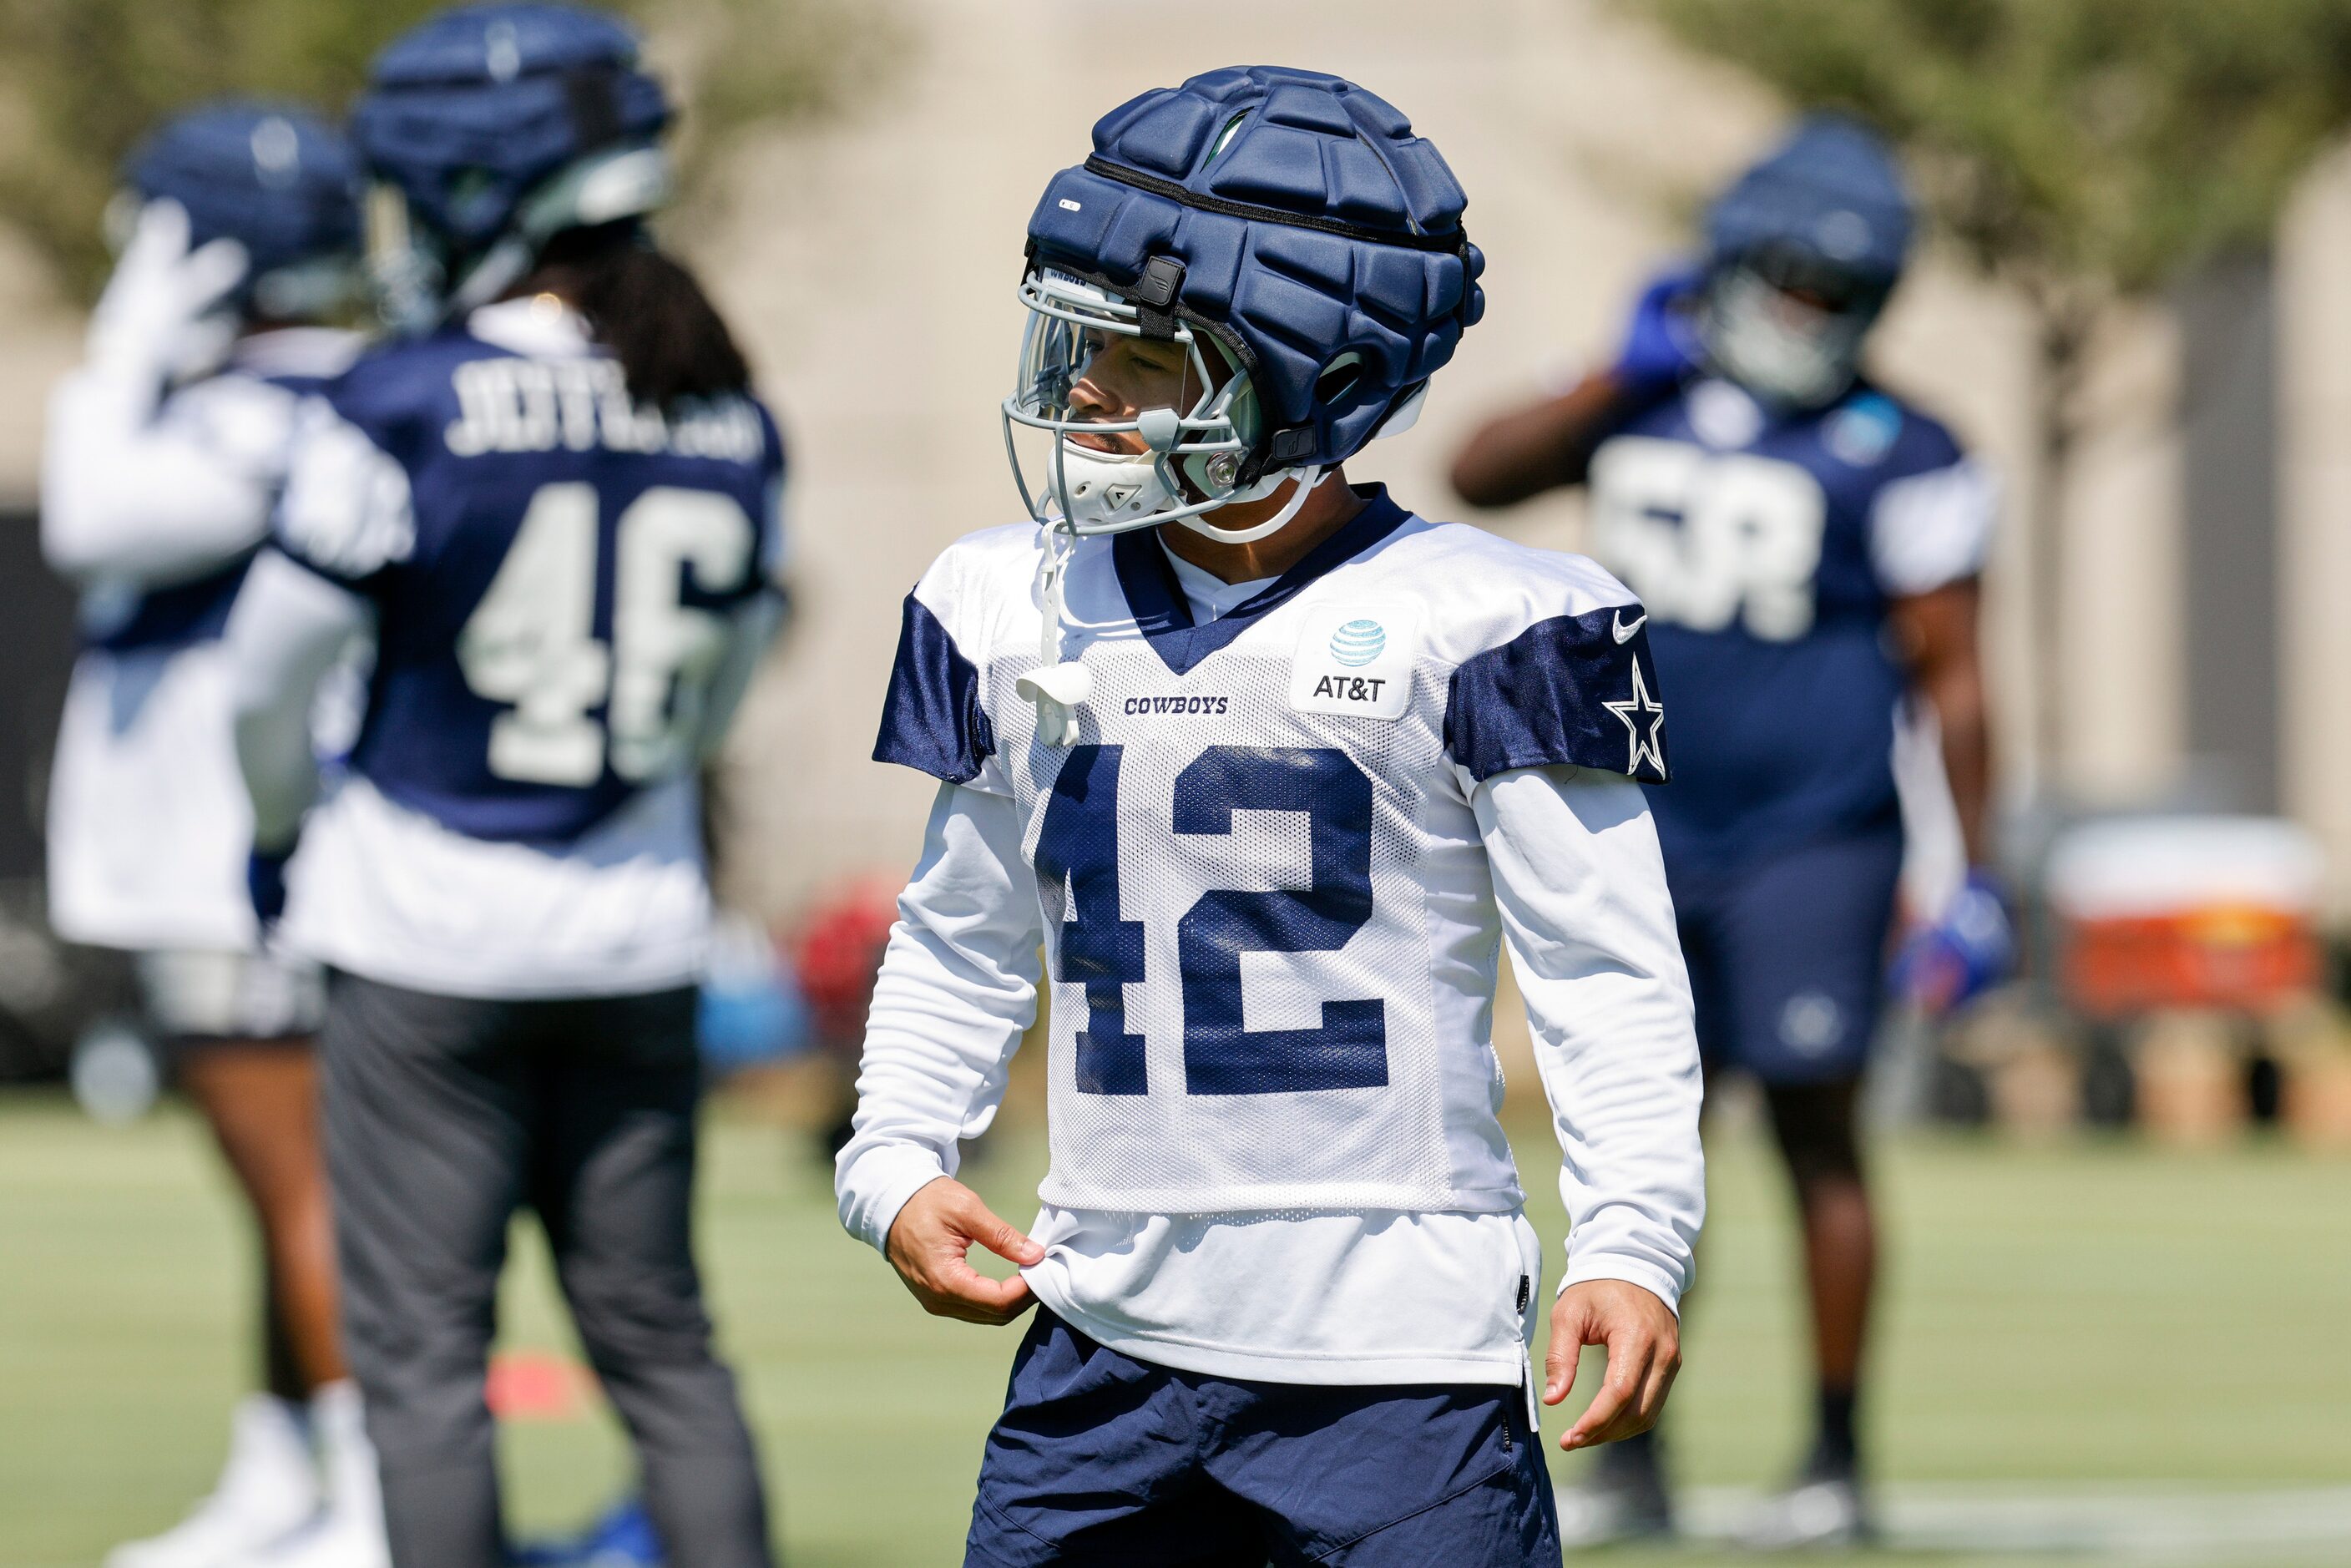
x: 1079, y: 840
x: 1350, y: 1050
x: 1078, y: 843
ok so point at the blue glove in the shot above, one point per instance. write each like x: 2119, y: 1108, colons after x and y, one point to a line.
x: 265, y: 883
x: 1661, y: 345
x: 1964, y: 954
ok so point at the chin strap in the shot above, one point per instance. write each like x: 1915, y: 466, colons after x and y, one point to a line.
x: 1308, y: 479
x: 1058, y: 685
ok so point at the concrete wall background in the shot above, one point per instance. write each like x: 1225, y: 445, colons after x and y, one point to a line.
x: 869, y: 263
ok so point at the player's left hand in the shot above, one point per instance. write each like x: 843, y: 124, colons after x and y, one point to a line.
x: 1644, y: 1341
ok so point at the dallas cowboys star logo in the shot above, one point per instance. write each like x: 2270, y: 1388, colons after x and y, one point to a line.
x: 1648, y: 741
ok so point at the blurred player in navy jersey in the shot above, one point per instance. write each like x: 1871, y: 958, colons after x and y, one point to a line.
x: 1806, y: 545
x: 552, y: 508
x: 166, y: 450
x: 1272, y: 768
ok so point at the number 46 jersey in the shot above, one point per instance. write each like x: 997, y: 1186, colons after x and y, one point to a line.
x: 1269, y: 913
x: 562, y: 586
x: 548, y: 563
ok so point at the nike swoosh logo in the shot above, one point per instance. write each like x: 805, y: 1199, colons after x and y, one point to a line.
x: 1623, y: 633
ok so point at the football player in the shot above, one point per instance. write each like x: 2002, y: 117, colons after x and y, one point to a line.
x: 166, y: 453
x: 552, y: 510
x: 1806, y: 546
x: 1272, y: 768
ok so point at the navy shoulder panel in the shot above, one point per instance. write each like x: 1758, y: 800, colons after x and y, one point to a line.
x: 933, y: 720
x: 1566, y: 692
x: 400, y: 393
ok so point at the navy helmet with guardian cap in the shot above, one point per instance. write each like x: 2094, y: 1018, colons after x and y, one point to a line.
x: 1300, y: 245
x: 1802, y: 252
x: 491, y: 129
x: 277, y: 180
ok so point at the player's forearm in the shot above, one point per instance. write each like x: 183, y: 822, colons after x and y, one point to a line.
x: 1520, y: 454
x: 1938, y: 631
x: 123, y: 498
x: 749, y: 634
x: 1582, y: 891
x: 287, y: 629
x: 956, y: 991
x: 1958, y: 698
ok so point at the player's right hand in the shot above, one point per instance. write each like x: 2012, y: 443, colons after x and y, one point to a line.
x: 1660, y: 344
x: 928, y: 1245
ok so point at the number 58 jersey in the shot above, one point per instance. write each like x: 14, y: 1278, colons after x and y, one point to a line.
x: 1769, y: 549
x: 1269, y: 922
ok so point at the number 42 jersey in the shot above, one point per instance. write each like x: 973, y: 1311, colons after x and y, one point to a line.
x: 1262, y: 872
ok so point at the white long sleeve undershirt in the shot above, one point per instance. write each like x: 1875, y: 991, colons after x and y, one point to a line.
x: 140, y: 488
x: 288, y: 628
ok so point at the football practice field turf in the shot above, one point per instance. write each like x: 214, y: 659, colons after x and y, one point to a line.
x: 2090, y: 1352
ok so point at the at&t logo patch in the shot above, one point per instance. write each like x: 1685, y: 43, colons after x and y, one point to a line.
x: 1355, y: 660
x: 1358, y: 642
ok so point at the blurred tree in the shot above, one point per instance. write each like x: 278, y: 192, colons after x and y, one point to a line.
x: 2085, y: 151
x: 81, y: 80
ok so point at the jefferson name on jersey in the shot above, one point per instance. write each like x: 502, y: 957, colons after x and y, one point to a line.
x: 514, y: 404
x: 554, y: 565
x: 1273, y: 929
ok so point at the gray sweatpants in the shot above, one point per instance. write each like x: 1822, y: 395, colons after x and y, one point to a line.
x: 443, y: 1115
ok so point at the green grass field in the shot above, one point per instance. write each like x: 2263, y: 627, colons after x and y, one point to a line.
x: 2077, y: 1317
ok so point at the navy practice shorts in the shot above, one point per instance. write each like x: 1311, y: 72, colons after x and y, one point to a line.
x: 1102, y: 1460
x: 1787, y: 956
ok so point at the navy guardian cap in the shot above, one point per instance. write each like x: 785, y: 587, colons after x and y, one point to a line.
x: 1802, y: 252
x: 1289, y: 230
x: 276, y: 179
x: 493, y: 128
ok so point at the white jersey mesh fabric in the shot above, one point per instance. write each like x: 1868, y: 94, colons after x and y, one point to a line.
x: 1270, y: 925
x: 1368, y: 1131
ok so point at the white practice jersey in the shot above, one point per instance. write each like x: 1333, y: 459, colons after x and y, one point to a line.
x: 1269, y: 901
x: 154, y: 506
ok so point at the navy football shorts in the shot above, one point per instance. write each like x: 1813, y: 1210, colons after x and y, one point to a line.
x: 1102, y: 1460
x: 1787, y: 956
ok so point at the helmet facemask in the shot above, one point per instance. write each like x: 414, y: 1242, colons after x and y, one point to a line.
x: 1172, y: 462
x: 1786, y: 328
x: 419, y: 281
x: 406, y: 269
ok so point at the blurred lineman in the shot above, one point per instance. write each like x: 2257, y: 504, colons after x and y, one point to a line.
x: 552, y: 510
x: 1274, y: 767
x: 166, y: 451
x: 1807, y: 547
